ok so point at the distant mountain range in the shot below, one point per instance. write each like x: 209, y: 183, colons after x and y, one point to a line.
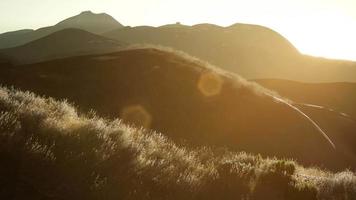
x: 88, y: 21
x: 191, y: 103
x: 251, y: 51
x: 60, y: 44
x: 254, y: 52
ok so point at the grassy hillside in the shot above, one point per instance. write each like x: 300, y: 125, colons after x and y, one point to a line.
x: 187, y: 100
x: 49, y: 151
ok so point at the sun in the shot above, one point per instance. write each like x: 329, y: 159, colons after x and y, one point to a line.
x: 328, y: 35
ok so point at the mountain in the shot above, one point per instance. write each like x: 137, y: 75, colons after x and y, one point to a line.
x: 189, y: 101
x: 91, y: 22
x: 340, y: 96
x: 250, y: 50
x: 253, y: 51
x: 63, y: 43
x: 95, y: 23
x: 15, y: 38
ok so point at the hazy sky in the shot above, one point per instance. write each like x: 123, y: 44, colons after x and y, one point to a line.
x: 318, y: 27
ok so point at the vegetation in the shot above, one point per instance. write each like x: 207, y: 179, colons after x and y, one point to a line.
x: 49, y: 151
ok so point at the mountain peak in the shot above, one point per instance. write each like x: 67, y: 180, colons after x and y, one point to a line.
x: 92, y: 22
x: 86, y: 12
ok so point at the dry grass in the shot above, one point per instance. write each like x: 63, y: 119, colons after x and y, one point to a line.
x: 49, y: 151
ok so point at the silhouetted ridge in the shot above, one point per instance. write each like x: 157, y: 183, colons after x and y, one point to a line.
x: 63, y: 43
x: 252, y: 51
x: 89, y: 21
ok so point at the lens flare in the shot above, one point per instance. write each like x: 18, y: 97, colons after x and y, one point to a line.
x: 210, y: 84
x: 136, y: 115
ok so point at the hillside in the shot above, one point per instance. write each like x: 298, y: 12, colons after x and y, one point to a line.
x: 340, y: 96
x: 340, y: 127
x: 61, y: 44
x: 91, y: 22
x: 185, y: 99
x: 251, y: 51
x: 49, y: 151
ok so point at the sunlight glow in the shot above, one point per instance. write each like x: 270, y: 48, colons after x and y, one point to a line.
x: 328, y: 35
x: 324, y: 28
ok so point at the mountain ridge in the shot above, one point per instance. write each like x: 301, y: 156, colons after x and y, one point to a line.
x: 253, y: 51
x: 85, y: 20
x: 63, y: 43
x: 88, y: 21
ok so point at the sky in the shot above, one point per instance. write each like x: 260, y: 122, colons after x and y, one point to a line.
x: 325, y: 28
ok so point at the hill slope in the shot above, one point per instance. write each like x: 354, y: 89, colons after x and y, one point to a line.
x: 184, y: 99
x: 49, y: 151
x: 64, y: 43
x: 91, y: 22
x: 340, y: 97
x: 249, y: 50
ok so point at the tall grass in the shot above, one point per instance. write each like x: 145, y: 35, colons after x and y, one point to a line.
x: 49, y: 151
